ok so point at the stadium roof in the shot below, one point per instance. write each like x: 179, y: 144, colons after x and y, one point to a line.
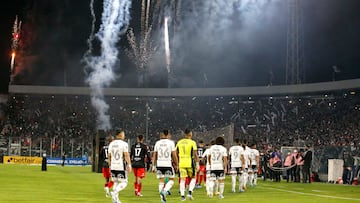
x: 169, y: 92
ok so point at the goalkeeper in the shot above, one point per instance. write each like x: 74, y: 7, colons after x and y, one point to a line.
x: 187, y: 152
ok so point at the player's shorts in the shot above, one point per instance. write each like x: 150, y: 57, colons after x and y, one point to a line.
x: 162, y: 172
x: 202, y: 168
x: 119, y: 175
x: 235, y: 170
x: 252, y: 169
x: 139, y: 172
x: 106, y: 172
x: 187, y: 172
x: 217, y: 174
x: 208, y: 174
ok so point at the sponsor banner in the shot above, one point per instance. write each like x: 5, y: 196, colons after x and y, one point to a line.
x: 22, y: 160
x: 68, y: 161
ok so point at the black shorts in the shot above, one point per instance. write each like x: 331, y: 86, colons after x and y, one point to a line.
x: 254, y: 168
x: 236, y: 170
x: 217, y: 174
x: 162, y: 172
x: 120, y: 175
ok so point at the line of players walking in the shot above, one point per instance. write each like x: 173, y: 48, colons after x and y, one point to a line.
x: 193, y: 162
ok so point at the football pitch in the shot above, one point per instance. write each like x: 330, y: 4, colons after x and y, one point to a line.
x: 22, y: 183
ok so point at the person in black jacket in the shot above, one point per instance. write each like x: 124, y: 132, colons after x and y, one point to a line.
x: 307, y: 165
x: 63, y: 158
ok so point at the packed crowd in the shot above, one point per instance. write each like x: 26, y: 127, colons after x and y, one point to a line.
x: 318, y: 120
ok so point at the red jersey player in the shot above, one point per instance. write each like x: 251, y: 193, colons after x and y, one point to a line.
x: 138, y: 155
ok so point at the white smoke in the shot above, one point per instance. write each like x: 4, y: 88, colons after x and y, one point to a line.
x: 114, y: 21
x: 220, y: 15
x: 222, y: 33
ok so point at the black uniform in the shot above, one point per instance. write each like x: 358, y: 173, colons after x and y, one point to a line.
x: 139, y: 152
x: 201, y: 151
x: 104, y: 156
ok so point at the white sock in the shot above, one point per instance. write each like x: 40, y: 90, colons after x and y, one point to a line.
x: 216, y: 186
x: 115, y: 185
x: 242, y: 178
x: 240, y: 181
x: 168, y: 185
x: 222, y: 185
x: 211, y: 187
x: 161, y: 186
x: 182, y: 187
x: 251, y: 178
x: 245, y: 179
x: 207, y: 186
x: 233, y: 182
x: 255, y: 178
x: 119, y: 187
x: 192, y: 184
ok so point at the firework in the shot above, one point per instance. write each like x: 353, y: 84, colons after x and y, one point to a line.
x: 15, y: 42
x: 147, y: 15
x: 167, y: 44
x: 16, y: 33
x: 141, y: 50
x: 12, y: 61
x: 115, y: 19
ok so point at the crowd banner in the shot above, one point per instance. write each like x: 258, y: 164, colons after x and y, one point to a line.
x: 22, y: 160
x: 68, y: 161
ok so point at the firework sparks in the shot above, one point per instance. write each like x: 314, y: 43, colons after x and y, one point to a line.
x: 147, y: 15
x: 12, y: 61
x: 167, y: 44
x: 15, y: 42
x: 141, y: 50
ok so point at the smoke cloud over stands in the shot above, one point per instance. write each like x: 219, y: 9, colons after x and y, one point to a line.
x: 236, y: 44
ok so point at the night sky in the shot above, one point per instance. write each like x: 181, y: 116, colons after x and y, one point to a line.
x: 206, y: 51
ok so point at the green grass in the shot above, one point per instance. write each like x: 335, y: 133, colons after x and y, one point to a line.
x: 21, y: 183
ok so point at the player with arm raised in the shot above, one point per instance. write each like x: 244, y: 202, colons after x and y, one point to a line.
x: 255, y: 160
x: 187, y: 152
x: 105, y: 166
x: 118, y: 151
x: 139, y: 153
x: 163, y: 158
x: 237, y: 163
x: 218, y: 165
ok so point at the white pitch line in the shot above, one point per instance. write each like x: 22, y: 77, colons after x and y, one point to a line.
x: 317, y: 195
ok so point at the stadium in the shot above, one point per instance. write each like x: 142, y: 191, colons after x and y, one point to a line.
x: 270, y: 118
x: 53, y: 128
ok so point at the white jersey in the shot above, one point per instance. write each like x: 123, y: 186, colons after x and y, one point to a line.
x: 164, y: 148
x: 253, y: 156
x: 247, y: 152
x: 235, y: 153
x: 217, y: 153
x: 205, y: 156
x: 116, y: 150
